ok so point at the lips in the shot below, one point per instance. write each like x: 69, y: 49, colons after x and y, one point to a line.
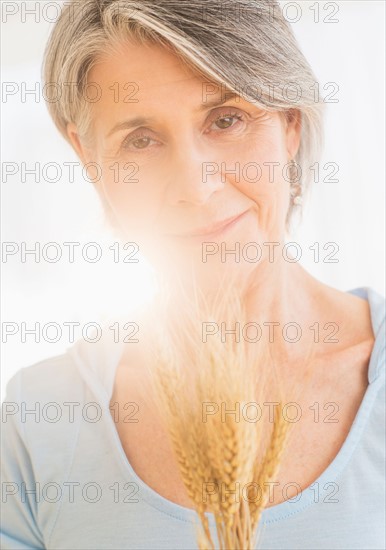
x: 207, y: 230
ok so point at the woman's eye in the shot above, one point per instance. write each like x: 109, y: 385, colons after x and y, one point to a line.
x: 227, y: 121
x: 141, y: 143
x: 137, y: 143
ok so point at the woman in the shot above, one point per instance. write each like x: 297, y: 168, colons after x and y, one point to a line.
x: 188, y: 111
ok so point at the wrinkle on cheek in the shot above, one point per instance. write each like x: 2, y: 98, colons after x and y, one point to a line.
x: 135, y: 204
x: 270, y: 191
x: 255, y: 176
x: 264, y: 141
x: 270, y: 217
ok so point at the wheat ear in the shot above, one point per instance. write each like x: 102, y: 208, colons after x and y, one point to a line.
x: 188, y: 374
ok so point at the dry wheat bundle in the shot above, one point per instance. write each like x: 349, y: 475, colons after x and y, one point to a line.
x: 205, y: 389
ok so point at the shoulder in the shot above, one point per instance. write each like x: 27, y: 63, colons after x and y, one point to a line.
x: 48, y: 402
x: 38, y: 445
x: 39, y: 413
x: 361, y: 317
x: 54, y: 378
x: 377, y: 303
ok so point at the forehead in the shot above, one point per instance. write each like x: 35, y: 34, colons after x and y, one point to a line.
x: 136, y: 74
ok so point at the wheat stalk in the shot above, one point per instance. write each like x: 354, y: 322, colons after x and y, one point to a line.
x: 228, y: 454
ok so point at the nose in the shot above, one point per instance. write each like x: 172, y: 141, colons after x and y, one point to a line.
x: 190, y: 180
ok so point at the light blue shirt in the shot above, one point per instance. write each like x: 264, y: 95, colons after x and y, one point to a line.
x: 88, y: 495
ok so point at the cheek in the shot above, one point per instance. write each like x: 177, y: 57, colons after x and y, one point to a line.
x: 262, y: 169
x: 133, y: 202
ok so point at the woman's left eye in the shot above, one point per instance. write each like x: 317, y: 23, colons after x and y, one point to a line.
x: 226, y: 121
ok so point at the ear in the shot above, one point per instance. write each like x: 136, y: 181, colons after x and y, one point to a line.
x: 80, y: 149
x: 293, y: 132
x: 84, y: 152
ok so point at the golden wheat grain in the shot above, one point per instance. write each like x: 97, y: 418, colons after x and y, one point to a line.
x: 188, y: 373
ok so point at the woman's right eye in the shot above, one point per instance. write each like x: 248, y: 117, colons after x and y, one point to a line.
x: 137, y: 143
x: 141, y: 143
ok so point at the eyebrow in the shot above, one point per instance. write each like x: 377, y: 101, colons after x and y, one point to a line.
x: 144, y: 121
x: 228, y: 96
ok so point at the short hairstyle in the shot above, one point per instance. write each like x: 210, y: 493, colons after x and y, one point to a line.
x: 245, y: 46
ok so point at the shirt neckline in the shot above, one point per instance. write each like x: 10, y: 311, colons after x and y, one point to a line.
x: 107, y: 365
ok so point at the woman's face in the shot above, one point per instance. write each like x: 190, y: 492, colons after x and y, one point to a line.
x: 188, y: 172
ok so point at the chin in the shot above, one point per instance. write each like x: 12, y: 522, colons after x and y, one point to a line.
x: 208, y: 267
x: 209, y: 261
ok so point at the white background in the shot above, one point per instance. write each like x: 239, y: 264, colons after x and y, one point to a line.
x: 349, y: 213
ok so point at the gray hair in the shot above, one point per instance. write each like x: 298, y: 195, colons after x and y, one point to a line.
x: 245, y: 46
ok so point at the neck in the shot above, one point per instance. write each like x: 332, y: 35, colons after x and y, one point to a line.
x: 281, y: 297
